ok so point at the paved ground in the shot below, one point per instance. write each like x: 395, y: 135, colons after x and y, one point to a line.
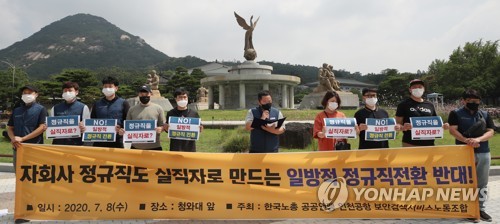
x: 7, y: 189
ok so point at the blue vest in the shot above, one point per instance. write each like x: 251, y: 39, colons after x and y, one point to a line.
x: 465, y: 121
x: 65, y: 109
x: 26, y: 119
x: 110, y: 109
x: 262, y: 141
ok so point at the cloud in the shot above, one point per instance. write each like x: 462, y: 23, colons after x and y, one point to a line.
x: 360, y: 35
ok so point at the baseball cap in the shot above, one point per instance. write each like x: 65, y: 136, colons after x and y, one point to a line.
x: 416, y: 81
x: 144, y: 88
x: 30, y: 87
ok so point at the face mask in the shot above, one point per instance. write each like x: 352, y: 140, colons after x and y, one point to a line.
x: 144, y: 99
x: 108, y: 91
x: 267, y: 106
x: 417, y: 92
x: 28, y: 98
x: 473, y: 106
x: 333, y: 105
x: 371, y: 101
x: 182, y: 103
x: 69, y: 96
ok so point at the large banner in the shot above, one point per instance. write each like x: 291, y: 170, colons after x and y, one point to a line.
x: 86, y: 183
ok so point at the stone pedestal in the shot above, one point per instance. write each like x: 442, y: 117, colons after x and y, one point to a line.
x: 313, y: 100
x: 156, y: 93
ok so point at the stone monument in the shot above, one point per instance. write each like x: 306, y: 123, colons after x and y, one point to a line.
x: 153, y: 80
x: 327, y: 82
x: 201, y: 99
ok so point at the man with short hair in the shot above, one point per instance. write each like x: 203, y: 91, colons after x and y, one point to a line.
x: 371, y: 110
x: 111, y: 106
x: 182, y: 110
x: 145, y: 110
x: 415, y: 106
x: 264, y: 139
x: 70, y: 106
x: 27, y: 122
x: 474, y: 127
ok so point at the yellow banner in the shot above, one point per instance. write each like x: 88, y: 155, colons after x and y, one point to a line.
x: 87, y: 183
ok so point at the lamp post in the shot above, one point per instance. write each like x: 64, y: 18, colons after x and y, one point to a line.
x: 13, y: 67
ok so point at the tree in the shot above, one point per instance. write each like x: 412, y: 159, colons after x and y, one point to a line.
x: 394, y: 88
x: 476, y: 65
x: 13, y: 80
x: 182, y: 79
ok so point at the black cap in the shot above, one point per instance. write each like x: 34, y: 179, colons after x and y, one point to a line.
x: 30, y: 87
x: 144, y: 88
x: 416, y: 81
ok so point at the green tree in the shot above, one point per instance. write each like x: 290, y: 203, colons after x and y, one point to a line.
x: 394, y: 88
x: 182, y: 79
x: 475, y: 65
x: 13, y: 81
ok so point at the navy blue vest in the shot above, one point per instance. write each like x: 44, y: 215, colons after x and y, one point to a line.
x: 262, y: 141
x: 26, y: 119
x: 465, y: 121
x: 66, y: 109
x: 110, y: 109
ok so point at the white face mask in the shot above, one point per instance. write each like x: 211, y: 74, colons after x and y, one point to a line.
x: 333, y: 105
x: 69, y: 96
x: 28, y: 98
x: 108, y: 91
x: 371, y: 101
x: 418, y: 92
x: 182, y: 103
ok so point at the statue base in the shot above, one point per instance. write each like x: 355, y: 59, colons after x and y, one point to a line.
x: 313, y: 100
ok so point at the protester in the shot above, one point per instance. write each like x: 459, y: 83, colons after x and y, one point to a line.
x: 145, y: 110
x: 264, y: 139
x: 70, y: 106
x: 27, y: 122
x: 370, y: 110
x: 331, y: 103
x: 415, y: 106
x: 111, y: 106
x: 474, y: 127
x: 182, y: 110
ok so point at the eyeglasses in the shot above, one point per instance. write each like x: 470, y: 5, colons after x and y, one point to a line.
x: 371, y: 96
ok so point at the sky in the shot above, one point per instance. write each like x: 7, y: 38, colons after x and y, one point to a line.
x: 365, y: 36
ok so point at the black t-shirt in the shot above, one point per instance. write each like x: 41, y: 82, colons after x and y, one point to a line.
x: 177, y: 144
x: 464, y: 119
x: 411, y: 108
x: 361, y: 116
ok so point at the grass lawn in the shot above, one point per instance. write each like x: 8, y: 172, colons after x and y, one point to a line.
x: 211, y: 139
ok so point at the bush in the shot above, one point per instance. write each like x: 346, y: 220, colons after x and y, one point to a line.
x: 237, y: 142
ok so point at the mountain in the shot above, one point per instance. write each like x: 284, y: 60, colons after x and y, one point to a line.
x: 81, y: 41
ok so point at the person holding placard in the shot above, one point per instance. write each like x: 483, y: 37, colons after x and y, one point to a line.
x: 70, y: 106
x: 371, y: 110
x: 415, y: 106
x: 331, y: 103
x: 472, y: 126
x: 27, y: 122
x: 146, y: 110
x: 263, y: 122
x: 181, y: 110
x: 111, y: 106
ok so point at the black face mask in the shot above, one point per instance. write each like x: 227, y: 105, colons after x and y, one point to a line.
x: 266, y: 106
x: 472, y: 106
x: 144, y: 99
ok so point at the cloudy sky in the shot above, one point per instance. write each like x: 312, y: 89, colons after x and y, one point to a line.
x: 355, y: 35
